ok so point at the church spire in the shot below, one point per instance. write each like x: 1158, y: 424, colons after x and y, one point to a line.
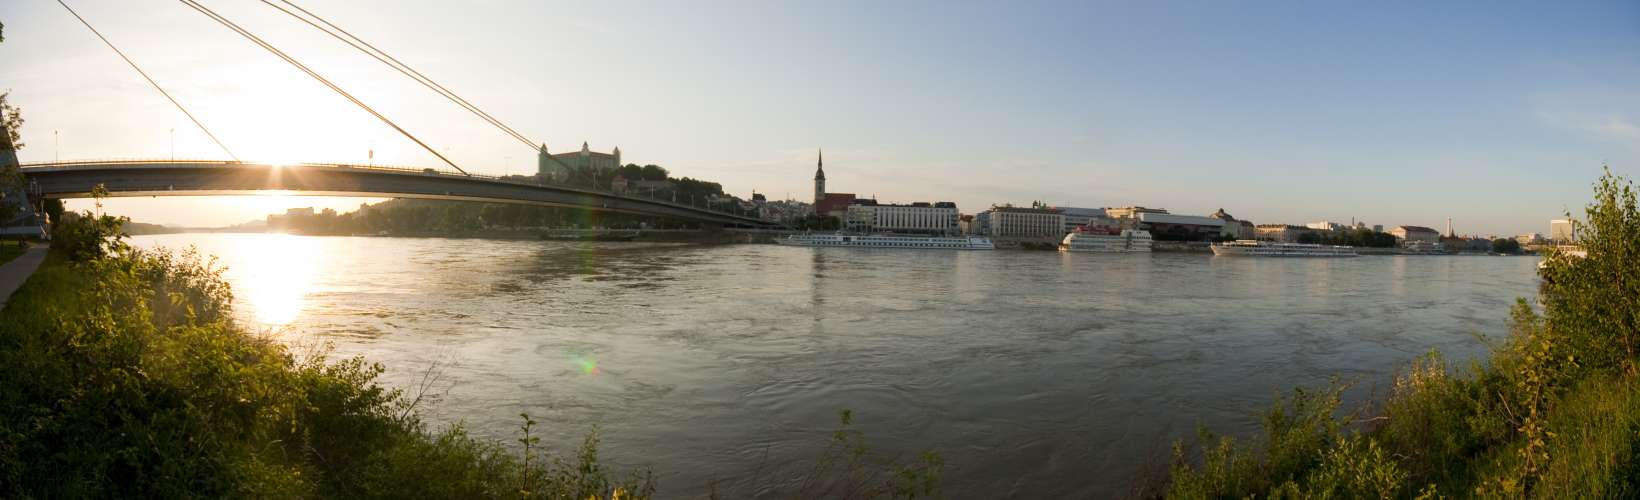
x: 820, y: 167
x: 819, y: 179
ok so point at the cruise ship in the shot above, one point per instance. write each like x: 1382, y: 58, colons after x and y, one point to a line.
x: 1268, y: 249
x: 887, y: 241
x: 1126, y: 240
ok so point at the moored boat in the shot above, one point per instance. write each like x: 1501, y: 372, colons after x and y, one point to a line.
x: 887, y: 241
x: 1254, y: 248
x: 1114, y: 241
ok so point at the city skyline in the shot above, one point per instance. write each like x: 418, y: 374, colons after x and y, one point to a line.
x: 1496, y: 116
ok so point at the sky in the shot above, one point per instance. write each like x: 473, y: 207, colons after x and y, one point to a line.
x: 1497, y: 114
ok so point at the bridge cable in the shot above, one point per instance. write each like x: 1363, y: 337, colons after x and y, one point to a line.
x: 382, y: 56
x: 287, y: 58
x: 151, y: 82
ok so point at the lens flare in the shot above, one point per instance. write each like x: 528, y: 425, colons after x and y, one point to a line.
x: 588, y: 365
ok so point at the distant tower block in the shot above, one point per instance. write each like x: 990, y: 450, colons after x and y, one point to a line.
x: 819, y: 177
x: 1449, y: 227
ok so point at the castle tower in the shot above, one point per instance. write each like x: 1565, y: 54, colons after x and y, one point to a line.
x: 820, y: 177
x: 541, y: 160
x: 617, y: 153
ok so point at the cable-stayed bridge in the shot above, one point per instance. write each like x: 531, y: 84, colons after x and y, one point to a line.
x: 75, y: 179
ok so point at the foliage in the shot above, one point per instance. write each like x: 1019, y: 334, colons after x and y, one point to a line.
x: 1357, y: 237
x: 1505, y: 245
x: 1553, y: 412
x: 647, y: 172
x: 1595, y: 300
x: 847, y: 468
x: 126, y: 376
x: 1296, y: 431
x: 11, y: 180
x: 817, y: 222
x: 12, y: 117
x: 89, y: 236
x: 10, y: 251
x: 84, y: 237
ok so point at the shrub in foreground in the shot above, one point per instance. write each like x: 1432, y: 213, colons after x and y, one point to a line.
x: 126, y: 376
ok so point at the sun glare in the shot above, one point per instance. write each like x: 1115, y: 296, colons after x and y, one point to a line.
x: 278, y: 274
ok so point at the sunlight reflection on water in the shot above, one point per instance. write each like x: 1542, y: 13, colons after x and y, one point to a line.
x: 274, y: 274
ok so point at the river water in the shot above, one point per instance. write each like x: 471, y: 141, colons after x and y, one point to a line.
x: 1034, y: 374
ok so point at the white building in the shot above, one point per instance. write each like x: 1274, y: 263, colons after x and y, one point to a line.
x: 1077, y: 217
x: 1021, y: 222
x: 1408, y: 234
x: 1561, y: 231
x: 868, y: 216
x: 1326, y: 226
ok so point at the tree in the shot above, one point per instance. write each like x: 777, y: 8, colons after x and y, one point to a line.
x: 1593, y: 297
x: 10, y: 115
x: 1505, y: 245
x: 631, y: 172
x: 654, y: 173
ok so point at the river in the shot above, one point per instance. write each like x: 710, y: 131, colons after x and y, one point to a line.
x: 1034, y: 374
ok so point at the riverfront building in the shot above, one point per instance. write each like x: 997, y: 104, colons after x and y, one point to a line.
x: 1410, y: 234
x: 1561, y: 231
x: 1172, y: 227
x: 868, y: 216
x: 1131, y: 212
x: 1326, y: 226
x: 1234, y: 229
x: 1282, y: 233
x: 1078, y: 217
x: 1009, y: 221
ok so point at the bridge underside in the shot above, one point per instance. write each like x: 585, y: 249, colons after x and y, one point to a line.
x: 165, y: 179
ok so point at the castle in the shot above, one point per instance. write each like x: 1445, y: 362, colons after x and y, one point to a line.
x: 563, y: 166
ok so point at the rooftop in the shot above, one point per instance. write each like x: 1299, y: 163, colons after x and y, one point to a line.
x: 1161, y: 218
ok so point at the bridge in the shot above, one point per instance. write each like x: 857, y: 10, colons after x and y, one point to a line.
x: 75, y: 179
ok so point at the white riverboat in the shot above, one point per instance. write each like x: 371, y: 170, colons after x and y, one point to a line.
x: 1126, y: 240
x: 887, y: 241
x: 1254, y: 248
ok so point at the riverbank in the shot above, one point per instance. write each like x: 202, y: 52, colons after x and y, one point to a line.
x: 1553, y: 412
x: 127, y: 376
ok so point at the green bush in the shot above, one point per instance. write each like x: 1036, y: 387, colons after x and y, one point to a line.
x: 126, y: 376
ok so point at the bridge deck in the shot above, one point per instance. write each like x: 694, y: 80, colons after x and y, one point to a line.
x: 208, y: 177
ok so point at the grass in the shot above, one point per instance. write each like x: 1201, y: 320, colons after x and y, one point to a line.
x: 9, y: 250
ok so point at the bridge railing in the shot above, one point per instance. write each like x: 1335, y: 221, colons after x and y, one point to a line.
x: 387, y: 168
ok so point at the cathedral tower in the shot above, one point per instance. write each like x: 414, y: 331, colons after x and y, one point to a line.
x: 820, y: 178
